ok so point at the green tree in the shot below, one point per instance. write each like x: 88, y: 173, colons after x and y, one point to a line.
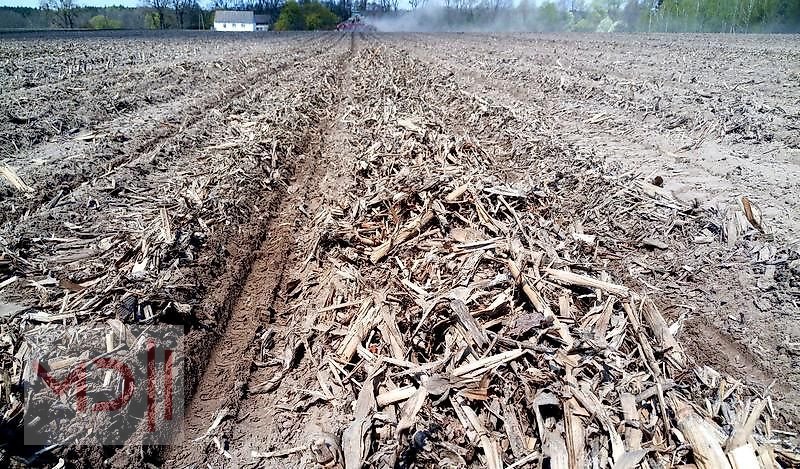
x: 606, y: 25
x: 308, y: 16
x: 318, y: 16
x: 152, y: 20
x: 550, y: 17
x: 291, y: 18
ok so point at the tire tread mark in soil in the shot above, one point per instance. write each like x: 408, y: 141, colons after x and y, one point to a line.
x: 259, y: 425
x: 222, y: 385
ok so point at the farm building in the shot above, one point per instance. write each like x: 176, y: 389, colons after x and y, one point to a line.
x: 240, y: 21
x: 262, y: 22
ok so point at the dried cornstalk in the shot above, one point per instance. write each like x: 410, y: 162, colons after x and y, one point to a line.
x: 539, y: 303
x: 411, y: 229
x: 13, y: 179
x: 366, y: 318
x: 705, y: 443
x: 569, y: 278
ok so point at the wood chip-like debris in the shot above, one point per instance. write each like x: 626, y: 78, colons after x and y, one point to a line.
x: 463, y: 301
x: 480, y: 315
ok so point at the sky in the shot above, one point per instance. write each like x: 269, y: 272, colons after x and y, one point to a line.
x: 104, y: 3
x: 86, y: 3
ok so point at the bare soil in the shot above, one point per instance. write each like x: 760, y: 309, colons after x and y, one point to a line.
x: 715, y: 117
x: 259, y: 147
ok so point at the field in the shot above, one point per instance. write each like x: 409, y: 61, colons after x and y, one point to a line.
x: 416, y: 250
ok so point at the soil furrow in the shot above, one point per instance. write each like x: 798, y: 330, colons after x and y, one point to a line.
x: 127, y: 140
x: 287, y: 329
x: 224, y: 383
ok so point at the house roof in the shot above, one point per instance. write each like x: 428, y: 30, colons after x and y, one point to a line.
x: 263, y: 19
x: 233, y: 16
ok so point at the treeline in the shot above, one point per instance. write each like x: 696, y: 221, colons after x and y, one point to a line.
x: 171, y: 14
x: 594, y: 15
x: 433, y: 15
x: 101, y: 18
x: 91, y: 18
x: 298, y: 14
x: 729, y: 16
x: 723, y: 16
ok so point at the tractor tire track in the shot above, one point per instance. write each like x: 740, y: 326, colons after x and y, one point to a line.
x: 224, y: 383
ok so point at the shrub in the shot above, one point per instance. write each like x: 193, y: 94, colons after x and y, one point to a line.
x: 308, y: 16
x: 101, y: 22
x: 318, y: 16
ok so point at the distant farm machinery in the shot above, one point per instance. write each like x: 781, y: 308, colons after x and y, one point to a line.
x: 355, y: 23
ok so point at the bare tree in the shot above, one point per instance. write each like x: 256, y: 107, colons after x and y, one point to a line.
x: 345, y: 7
x: 498, y: 5
x: 388, y: 5
x: 63, y: 12
x: 466, y: 5
x: 613, y: 8
x: 271, y: 6
x: 181, y: 7
x: 160, y: 6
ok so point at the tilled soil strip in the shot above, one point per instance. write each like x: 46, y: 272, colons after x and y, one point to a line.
x: 170, y: 236
x: 225, y: 383
x: 450, y: 305
x: 52, y: 170
x: 732, y: 286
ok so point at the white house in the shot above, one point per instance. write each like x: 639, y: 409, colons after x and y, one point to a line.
x: 228, y: 20
x: 240, y: 21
